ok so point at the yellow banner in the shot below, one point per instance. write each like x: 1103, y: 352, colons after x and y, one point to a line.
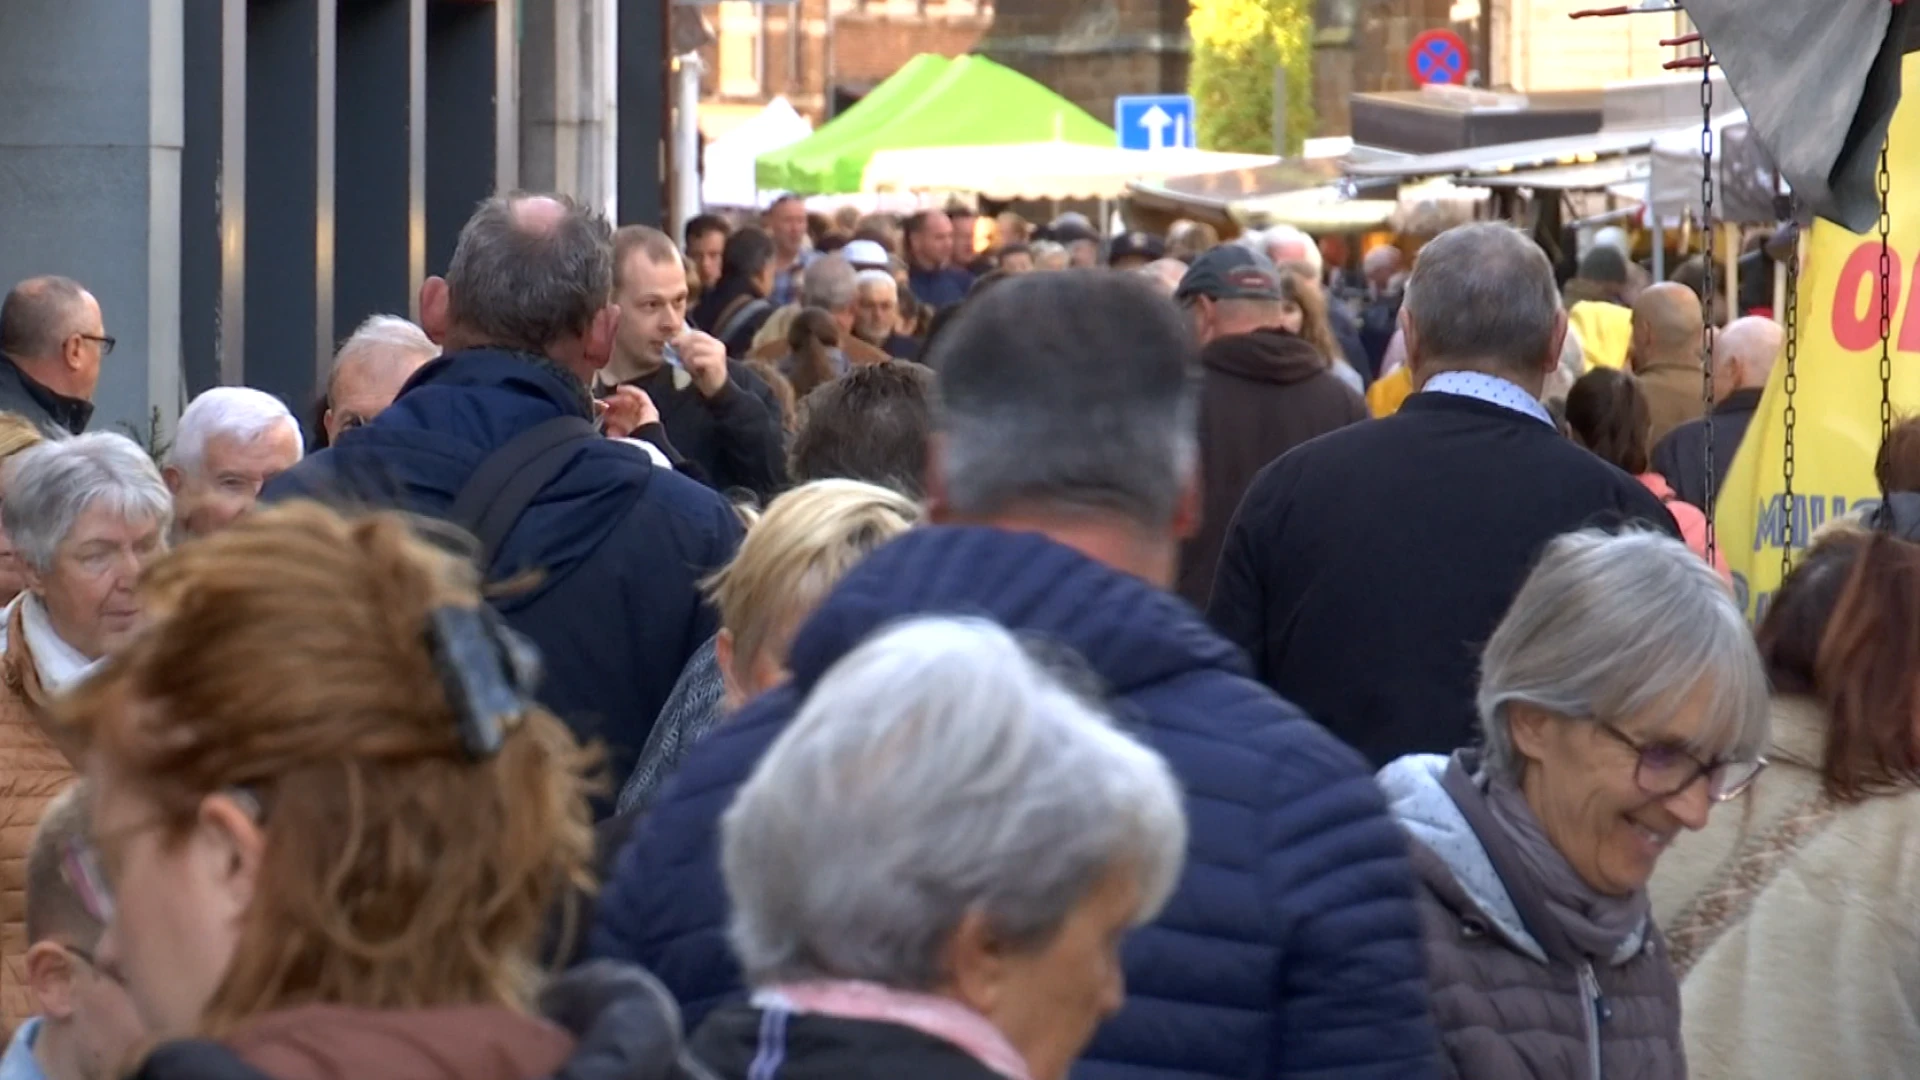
x: 1837, y: 406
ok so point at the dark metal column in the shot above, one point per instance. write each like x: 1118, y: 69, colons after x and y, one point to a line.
x: 213, y: 193
x: 380, y: 240
x: 469, y: 46
x: 644, y: 102
x: 290, y: 169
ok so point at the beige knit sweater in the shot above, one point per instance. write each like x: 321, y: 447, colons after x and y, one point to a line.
x: 1821, y: 979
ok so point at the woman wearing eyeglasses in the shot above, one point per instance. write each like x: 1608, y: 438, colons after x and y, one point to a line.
x: 1620, y: 698
x: 328, y: 821
x: 1792, y: 917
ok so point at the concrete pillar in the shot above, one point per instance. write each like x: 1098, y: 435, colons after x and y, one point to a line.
x: 90, y: 160
x: 642, y: 112
x: 566, y: 98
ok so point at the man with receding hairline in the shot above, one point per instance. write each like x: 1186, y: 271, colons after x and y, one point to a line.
x: 52, y: 340
x: 497, y: 435
x: 369, y: 370
x: 1743, y: 357
x: 1364, y: 569
x: 1665, y: 354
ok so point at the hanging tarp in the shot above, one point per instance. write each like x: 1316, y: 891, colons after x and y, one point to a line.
x: 1742, y: 181
x: 1820, y: 79
x: 727, y: 167
x: 971, y: 101
x: 1049, y: 170
x: 1837, y: 434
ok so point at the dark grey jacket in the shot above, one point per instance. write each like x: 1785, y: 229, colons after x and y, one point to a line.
x: 56, y: 415
x: 1512, y: 997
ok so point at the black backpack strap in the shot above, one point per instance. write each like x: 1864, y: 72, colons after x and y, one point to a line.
x: 505, y: 484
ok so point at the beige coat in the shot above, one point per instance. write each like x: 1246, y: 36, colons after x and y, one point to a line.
x: 1673, y: 396
x: 1821, y: 979
x: 33, y: 769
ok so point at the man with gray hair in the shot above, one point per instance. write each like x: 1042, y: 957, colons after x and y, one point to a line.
x: 1364, y: 569
x: 498, y: 437
x: 829, y: 286
x: 1063, y: 477
x: 52, y: 341
x: 876, y: 315
x: 370, y: 369
x: 1743, y: 358
x: 231, y: 441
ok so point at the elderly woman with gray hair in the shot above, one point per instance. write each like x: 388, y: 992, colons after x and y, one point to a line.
x: 85, y: 516
x: 933, y: 868
x: 1620, y: 698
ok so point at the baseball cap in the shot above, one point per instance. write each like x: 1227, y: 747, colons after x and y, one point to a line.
x: 865, y: 255
x: 1136, y: 245
x: 1230, y: 272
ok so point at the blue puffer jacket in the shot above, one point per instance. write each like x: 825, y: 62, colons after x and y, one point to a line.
x: 1291, y: 947
x: 618, y: 545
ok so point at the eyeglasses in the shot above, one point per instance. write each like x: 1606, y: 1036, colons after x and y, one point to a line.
x: 85, y: 871
x: 1663, y: 770
x: 107, y: 342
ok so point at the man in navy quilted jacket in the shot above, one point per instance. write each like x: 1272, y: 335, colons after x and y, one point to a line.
x: 1063, y: 481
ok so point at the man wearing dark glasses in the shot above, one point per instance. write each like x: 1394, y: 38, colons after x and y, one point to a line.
x: 52, y: 340
x: 77, y: 1022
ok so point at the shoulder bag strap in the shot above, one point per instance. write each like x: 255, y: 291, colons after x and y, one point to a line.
x: 1753, y: 867
x: 507, y: 481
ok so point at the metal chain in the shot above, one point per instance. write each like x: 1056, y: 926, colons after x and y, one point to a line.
x: 1707, y: 294
x: 1886, y: 301
x: 1791, y: 385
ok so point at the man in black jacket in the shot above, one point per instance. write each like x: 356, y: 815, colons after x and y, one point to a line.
x: 607, y: 548
x: 52, y: 341
x: 1366, y: 568
x: 1743, y: 356
x: 718, y: 413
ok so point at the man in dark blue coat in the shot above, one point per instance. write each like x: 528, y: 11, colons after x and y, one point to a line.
x: 610, y: 547
x: 1063, y: 478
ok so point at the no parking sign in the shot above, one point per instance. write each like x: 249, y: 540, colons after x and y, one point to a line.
x: 1438, y: 56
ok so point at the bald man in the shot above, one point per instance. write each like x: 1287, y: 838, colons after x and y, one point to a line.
x: 52, y: 341
x: 1665, y: 354
x: 1743, y: 358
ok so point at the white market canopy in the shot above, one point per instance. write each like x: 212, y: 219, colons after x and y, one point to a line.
x: 727, y: 179
x: 1048, y: 170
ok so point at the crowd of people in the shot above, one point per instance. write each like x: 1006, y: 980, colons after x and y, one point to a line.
x: 807, y: 650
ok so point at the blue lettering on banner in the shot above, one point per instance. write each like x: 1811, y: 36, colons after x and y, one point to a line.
x: 1810, y: 512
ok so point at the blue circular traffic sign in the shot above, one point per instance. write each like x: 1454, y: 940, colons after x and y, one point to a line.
x: 1437, y: 56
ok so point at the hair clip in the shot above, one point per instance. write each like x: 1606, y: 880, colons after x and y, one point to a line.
x: 488, y: 670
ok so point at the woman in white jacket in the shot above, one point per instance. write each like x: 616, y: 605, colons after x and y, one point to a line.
x: 1790, y: 917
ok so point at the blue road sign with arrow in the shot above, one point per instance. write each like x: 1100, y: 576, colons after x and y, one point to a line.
x: 1154, y: 122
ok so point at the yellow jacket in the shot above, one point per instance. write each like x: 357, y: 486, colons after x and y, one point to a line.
x: 1387, y: 392
x: 1606, y: 332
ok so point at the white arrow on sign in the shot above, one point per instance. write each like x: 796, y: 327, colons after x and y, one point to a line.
x: 1155, y: 121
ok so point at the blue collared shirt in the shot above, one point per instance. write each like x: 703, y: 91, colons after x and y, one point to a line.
x: 786, y: 283
x: 19, y: 1062
x: 1480, y: 386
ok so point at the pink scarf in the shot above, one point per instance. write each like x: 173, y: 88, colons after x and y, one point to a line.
x: 942, y: 1018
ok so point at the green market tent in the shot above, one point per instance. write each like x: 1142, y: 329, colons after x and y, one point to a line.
x: 971, y: 101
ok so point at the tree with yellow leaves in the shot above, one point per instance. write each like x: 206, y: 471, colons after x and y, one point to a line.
x: 1237, y: 47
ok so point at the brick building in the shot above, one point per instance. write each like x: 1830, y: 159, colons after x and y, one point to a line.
x: 816, y: 51
x: 1092, y: 51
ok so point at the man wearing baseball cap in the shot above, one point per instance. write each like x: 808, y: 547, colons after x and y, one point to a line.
x: 1265, y: 388
x: 1133, y: 250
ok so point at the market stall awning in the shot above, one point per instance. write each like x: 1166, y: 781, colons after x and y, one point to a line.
x: 1587, y: 176
x: 727, y: 166
x: 1487, y: 160
x: 778, y: 170
x: 972, y: 101
x: 1048, y: 170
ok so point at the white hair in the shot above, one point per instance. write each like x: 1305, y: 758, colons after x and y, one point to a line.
x: 1287, y: 234
x: 238, y: 412
x: 378, y: 337
x: 51, y: 484
x: 1609, y: 626
x: 938, y: 770
x: 870, y: 279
